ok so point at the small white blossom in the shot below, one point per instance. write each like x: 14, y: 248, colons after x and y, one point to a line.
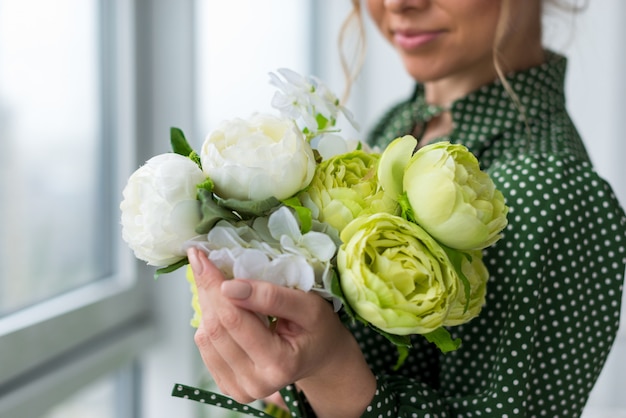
x: 272, y: 249
x: 305, y: 99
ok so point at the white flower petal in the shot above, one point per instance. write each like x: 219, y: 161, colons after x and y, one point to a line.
x: 255, y: 159
x: 224, y: 260
x: 283, y: 222
x: 159, y: 209
x: 223, y: 235
x: 251, y: 264
x: 330, y: 145
x: 293, y: 77
x: 292, y: 271
x: 350, y: 117
x: 319, y: 245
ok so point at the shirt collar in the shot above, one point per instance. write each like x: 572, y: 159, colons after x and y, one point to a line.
x: 485, y: 114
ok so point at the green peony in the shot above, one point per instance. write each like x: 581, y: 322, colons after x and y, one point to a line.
x: 452, y: 199
x: 393, y: 163
x: 345, y: 187
x: 395, y: 276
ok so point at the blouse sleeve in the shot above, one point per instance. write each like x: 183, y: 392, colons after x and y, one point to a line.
x: 552, y: 309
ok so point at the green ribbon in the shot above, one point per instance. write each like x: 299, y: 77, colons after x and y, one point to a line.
x: 293, y: 399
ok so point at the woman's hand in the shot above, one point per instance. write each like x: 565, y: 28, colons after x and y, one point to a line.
x: 308, y: 344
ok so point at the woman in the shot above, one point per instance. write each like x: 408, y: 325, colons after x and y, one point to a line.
x: 556, y: 276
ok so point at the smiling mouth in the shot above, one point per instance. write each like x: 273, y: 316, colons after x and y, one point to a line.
x: 414, y: 40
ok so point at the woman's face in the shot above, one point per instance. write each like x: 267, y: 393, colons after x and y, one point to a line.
x: 439, y: 38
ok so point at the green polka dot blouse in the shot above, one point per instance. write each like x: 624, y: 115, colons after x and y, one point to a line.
x: 554, y: 294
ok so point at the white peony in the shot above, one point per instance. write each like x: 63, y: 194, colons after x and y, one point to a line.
x: 265, y: 156
x: 160, y: 210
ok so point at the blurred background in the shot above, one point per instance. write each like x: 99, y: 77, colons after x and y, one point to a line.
x: 88, y: 92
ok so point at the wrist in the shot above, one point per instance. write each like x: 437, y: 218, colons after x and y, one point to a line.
x: 343, y: 387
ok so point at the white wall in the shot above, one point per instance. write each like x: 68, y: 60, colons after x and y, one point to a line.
x: 596, y: 94
x: 596, y: 87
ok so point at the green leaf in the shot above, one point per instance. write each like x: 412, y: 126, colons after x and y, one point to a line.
x: 211, y: 212
x: 179, y: 142
x: 443, y: 340
x: 337, y: 291
x: 181, y: 146
x: 304, y: 213
x: 214, y: 209
x: 403, y: 353
x: 399, y: 340
x: 249, y: 208
x: 402, y: 343
x: 171, y: 268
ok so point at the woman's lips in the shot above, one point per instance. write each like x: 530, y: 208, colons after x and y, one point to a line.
x: 412, y: 40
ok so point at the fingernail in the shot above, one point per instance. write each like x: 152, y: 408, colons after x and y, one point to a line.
x: 194, y: 261
x: 236, y: 289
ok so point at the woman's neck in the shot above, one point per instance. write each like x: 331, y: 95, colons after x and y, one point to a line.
x: 445, y: 91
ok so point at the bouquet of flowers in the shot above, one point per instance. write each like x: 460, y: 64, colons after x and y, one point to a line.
x: 393, y: 238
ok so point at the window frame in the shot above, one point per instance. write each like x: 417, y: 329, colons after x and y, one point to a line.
x: 53, y: 348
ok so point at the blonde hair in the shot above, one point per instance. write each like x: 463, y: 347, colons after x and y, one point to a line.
x: 501, y: 33
x: 352, y: 67
x: 502, y: 30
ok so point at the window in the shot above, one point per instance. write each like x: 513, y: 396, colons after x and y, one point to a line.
x: 53, y: 237
x: 70, y: 309
x: 95, y: 401
x: 232, y: 72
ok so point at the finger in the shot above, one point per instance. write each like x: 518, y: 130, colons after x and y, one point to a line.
x: 221, y: 371
x: 208, y: 278
x: 234, y: 364
x: 276, y: 355
x: 301, y: 308
x: 259, y: 357
x: 218, y: 316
